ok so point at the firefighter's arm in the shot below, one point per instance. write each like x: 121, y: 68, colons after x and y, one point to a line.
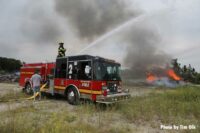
x: 62, y: 49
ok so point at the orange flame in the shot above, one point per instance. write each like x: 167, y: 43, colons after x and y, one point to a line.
x: 151, y: 77
x: 173, y: 75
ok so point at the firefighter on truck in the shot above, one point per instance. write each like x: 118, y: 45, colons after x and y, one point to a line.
x: 79, y: 77
x: 61, y: 50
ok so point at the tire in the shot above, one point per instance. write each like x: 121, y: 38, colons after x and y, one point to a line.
x: 28, y: 89
x: 72, y: 96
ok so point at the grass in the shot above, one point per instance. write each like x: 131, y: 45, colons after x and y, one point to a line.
x: 179, y: 106
x: 13, y: 96
x: 34, y: 118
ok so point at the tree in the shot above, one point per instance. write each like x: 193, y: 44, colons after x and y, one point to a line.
x: 9, y: 64
x: 187, y: 73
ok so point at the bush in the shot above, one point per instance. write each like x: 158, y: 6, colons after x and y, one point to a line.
x: 9, y: 64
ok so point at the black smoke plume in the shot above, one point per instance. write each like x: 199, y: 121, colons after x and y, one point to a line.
x: 92, y: 18
x: 143, y: 52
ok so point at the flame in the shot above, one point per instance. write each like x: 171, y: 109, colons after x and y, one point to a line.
x: 173, y: 75
x: 151, y: 77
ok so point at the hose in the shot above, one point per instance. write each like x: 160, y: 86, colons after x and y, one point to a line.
x: 29, y: 98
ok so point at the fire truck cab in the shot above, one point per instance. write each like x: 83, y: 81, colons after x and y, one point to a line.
x: 77, y: 77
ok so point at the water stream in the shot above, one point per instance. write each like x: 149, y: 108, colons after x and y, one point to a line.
x: 113, y: 31
x: 125, y: 25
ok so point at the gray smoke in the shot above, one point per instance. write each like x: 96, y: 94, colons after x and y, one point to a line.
x: 143, y: 49
x: 92, y: 18
x: 39, y: 25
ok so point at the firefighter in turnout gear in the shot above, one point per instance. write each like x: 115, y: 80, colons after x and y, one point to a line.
x: 61, y: 50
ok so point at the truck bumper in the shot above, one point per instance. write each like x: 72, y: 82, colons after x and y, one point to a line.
x: 113, y: 98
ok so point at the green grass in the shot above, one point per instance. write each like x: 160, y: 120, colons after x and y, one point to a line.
x: 34, y: 118
x: 13, y: 96
x: 179, y: 106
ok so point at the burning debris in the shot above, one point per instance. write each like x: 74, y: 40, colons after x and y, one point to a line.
x: 173, y: 75
x: 164, y: 76
x: 151, y: 77
x: 167, y: 73
x: 170, y: 79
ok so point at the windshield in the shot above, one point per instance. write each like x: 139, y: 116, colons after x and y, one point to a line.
x: 106, y: 71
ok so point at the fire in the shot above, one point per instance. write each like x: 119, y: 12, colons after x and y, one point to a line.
x: 151, y: 77
x: 173, y: 75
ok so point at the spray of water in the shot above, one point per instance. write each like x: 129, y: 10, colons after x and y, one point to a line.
x: 114, y: 31
x: 122, y: 26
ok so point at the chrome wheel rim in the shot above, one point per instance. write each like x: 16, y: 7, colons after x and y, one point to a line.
x: 28, y: 89
x: 71, y: 95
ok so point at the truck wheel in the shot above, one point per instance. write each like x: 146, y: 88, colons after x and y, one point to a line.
x: 28, y: 89
x: 72, y: 96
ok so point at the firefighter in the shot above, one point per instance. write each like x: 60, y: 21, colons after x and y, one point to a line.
x: 36, y: 81
x: 61, y: 50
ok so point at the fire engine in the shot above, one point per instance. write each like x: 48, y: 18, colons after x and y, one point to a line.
x: 78, y: 77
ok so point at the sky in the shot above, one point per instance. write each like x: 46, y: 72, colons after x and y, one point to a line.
x: 179, y: 27
x: 30, y: 30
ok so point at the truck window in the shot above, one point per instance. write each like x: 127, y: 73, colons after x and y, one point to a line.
x: 106, y: 71
x: 61, y: 69
x: 84, y: 70
x: 62, y: 73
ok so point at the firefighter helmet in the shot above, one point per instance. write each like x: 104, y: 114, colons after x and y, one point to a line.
x: 61, y: 43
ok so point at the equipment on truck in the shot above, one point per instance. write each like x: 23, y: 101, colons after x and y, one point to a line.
x: 76, y: 77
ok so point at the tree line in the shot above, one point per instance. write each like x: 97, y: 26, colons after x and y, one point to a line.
x: 188, y: 73
x: 9, y: 64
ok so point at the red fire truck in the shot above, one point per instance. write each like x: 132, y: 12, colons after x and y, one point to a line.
x: 78, y: 77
